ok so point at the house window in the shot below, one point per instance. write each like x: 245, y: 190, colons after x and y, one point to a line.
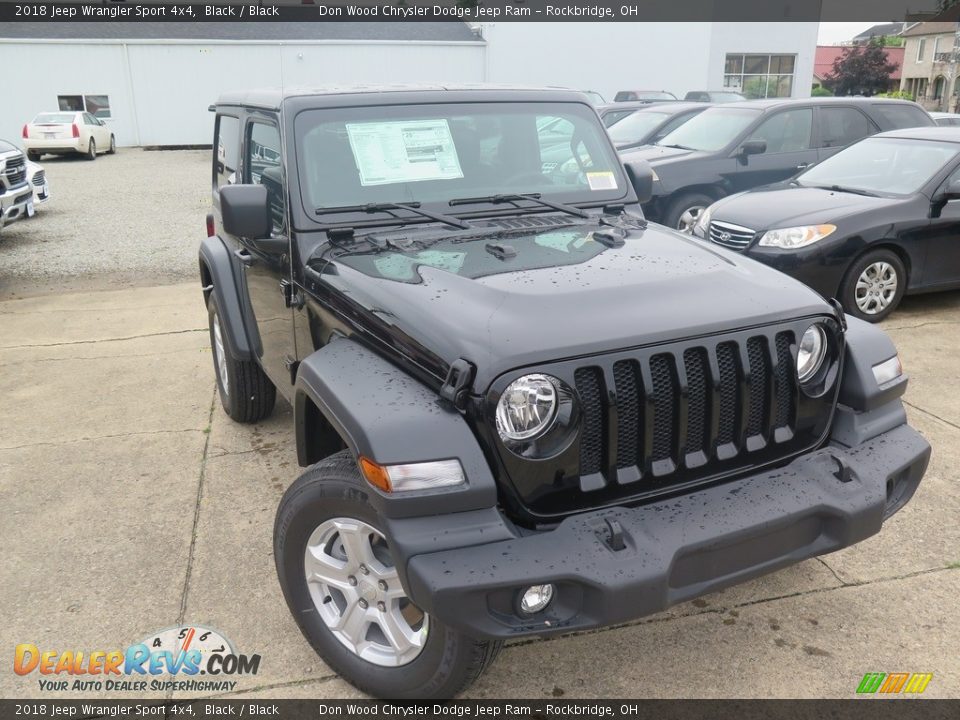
x: 921, y: 48
x: 760, y: 76
x: 96, y: 105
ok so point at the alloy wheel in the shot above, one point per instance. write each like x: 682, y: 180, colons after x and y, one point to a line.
x: 876, y: 288
x: 357, y: 592
x: 689, y: 218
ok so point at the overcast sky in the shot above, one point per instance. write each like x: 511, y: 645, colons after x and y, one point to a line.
x: 833, y: 33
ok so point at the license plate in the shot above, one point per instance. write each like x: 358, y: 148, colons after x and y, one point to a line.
x: 50, y: 136
x: 30, y: 210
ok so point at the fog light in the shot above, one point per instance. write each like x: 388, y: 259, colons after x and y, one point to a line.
x: 535, y: 598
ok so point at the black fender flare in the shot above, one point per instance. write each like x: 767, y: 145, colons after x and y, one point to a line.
x: 216, y: 269
x: 380, y: 412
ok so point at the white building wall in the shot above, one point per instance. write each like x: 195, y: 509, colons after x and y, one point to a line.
x: 786, y: 38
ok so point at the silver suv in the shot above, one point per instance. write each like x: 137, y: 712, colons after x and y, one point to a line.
x: 15, y: 192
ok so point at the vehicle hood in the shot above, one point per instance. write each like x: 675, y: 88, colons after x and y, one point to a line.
x: 788, y: 206
x: 6, y: 147
x: 656, y: 154
x: 659, y: 286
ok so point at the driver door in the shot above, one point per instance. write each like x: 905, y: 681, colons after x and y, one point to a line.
x: 789, y: 138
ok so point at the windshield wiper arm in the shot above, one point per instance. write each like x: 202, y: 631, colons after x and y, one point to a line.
x: 413, y: 207
x: 678, y: 147
x: 515, y: 197
x: 852, y: 191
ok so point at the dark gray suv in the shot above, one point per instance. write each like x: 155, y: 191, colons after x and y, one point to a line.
x: 739, y: 146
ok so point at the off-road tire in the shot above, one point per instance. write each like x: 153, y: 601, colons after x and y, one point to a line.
x: 91, y: 153
x: 848, y: 286
x: 249, y: 396
x: 449, y: 662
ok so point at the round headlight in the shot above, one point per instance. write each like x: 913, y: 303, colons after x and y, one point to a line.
x: 527, y: 407
x: 811, y: 353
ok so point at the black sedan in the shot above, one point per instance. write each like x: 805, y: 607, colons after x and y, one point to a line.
x: 867, y: 225
x: 652, y: 123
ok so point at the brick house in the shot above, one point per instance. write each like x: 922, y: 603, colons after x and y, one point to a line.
x: 929, y: 70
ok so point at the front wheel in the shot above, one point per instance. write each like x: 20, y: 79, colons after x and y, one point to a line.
x: 341, y: 584
x: 683, y: 213
x: 91, y: 153
x: 874, y: 285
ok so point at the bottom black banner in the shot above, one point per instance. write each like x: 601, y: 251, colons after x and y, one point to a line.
x: 868, y: 708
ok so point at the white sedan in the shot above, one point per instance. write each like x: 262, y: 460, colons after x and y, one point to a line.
x: 57, y: 133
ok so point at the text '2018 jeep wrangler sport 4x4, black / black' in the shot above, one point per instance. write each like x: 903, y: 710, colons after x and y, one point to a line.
x: 524, y: 410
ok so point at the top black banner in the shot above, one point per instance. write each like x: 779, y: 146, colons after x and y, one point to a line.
x: 484, y: 11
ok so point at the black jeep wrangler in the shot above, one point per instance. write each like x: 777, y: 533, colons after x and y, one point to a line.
x: 523, y: 410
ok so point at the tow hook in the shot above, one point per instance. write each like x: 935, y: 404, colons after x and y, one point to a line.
x: 611, y: 534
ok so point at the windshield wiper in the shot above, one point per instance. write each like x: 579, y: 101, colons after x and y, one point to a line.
x: 678, y: 147
x: 515, y: 197
x: 839, y: 188
x: 413, y: 207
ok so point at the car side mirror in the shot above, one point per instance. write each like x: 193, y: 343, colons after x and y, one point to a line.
x: 245, y: 211
x: 752, y: 147
x: 952, y: 190
x: 640, y: 175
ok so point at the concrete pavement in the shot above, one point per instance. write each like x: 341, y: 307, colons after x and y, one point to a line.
x: 132, y: 503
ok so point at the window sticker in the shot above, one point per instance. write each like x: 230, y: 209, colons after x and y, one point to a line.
x: 404, y: 151
x: 601, y: 180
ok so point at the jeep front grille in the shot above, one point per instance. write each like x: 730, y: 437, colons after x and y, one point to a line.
x: 681, y: 410
x: 732, y: 236
x: 15, y: 172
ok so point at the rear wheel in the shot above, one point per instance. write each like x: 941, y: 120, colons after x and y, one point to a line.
x: 682, y: 214
x: 113, y: 146
x: 874, y: 285
x: 91, y: 153
x: 246, y: 393
x: 341, y: 584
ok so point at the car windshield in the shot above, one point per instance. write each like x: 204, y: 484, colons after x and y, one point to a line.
x: 636, y: 127
x: 54, y: 118
x: 726, y: 97
x: 654, y: 95
x: 711, y: 130
x: 432, y: 154
x: 885, y: 166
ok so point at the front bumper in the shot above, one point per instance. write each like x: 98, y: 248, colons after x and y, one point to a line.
x: 673, y: 550
x: 14, y: 204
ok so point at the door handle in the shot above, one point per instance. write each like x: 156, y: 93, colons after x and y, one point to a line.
x: 803, y: 166
x: 244, y: 256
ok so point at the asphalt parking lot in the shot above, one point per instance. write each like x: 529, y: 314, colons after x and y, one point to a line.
x: 131, y: 503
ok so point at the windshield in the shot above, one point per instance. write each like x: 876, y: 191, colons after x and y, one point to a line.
x: 726, y: 97
x: 470, y: 257
x: 594, y: 97
x: 432, y: 154
x: 54, y: 118
x: 654, y: 95
x: 636, y: 127
x: 886, y: 166
x: 711, y: 130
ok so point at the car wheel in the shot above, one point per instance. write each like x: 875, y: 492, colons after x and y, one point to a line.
x: 341, y: 584
x: 246, y: 393
x: 874, y: 285
x: 33, y: 156
x: 91, y: 150
x: 113, y: 146
x: 683, y: 213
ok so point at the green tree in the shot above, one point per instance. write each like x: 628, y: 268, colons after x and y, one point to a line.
x: 861, y: 70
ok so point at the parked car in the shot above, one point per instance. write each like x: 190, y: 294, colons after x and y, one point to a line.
x: 612, y: 113
x: 37, y: 179
x: 737, y: 146
x: 594, y: 97
x: 16, y: 198
x: 59, y: 133
x: 945, y: 119
x: 649, y: 95
x: 875, y: 221
x: 714, y: 96
x: 497, y: 445
x: 652, y: 123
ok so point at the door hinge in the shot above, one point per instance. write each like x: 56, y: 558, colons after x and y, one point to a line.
x: 291, y: 298
x: 457, y: 385
x: 292, y: 365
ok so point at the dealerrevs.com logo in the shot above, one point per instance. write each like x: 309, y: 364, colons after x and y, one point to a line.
x: 170, y: 659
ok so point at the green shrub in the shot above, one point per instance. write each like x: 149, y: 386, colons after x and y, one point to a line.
x: 821, y: 91
x: 896, y: 94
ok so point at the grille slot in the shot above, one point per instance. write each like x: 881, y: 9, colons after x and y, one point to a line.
x: 15, y: 172
x: 591, y: 434
x: 732, y: 236
x: 39, y: 178
x: 674, y: 413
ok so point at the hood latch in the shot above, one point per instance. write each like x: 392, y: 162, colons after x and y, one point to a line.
x: 455, y: 388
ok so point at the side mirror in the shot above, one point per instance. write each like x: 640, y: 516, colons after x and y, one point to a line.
x: 752, y: 147
x: 640, y: 175
x: 245, y: 211
x: 952, y: 190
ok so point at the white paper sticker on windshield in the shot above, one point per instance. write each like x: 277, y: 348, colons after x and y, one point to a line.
x: 404, y: 151
x: 601, y: 180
